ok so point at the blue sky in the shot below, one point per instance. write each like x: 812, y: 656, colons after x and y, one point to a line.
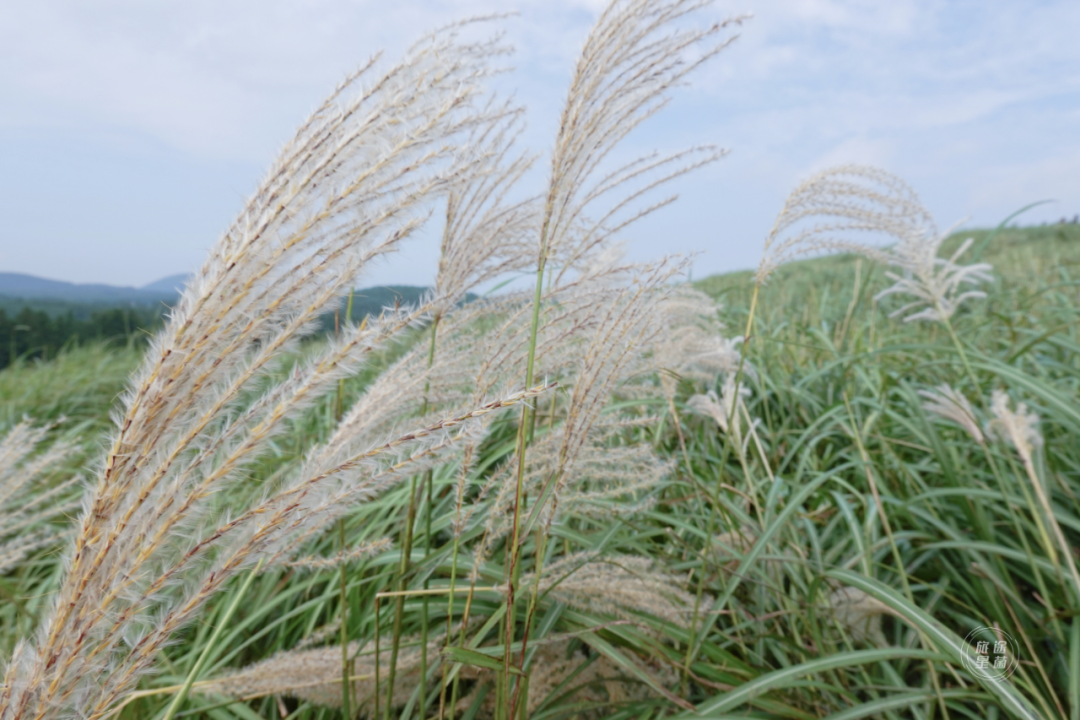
x: 130, y: 132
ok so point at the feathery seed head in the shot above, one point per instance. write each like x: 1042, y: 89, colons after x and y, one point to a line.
x: 949, y: 404
x: 1017, y: 427
x: 160, y: 535
x: 27, y: 504
x: 845, y: 201
x: 617, y: 585
x: 859, y: 614
x: 934, y: 283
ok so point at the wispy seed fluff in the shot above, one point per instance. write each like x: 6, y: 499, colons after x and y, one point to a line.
x: 1018, y: 427
x: 833, y: 210
x: 728, y: 410
x: 830, y: 210
x: 934, y: 283
x: 27, y: 502
x: 949, y: 404
x: 859, y: 614
x: 314, y: 675
x: 621, y: 586
x: 169, y: 521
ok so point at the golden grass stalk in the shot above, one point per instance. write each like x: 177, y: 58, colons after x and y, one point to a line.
x: 156, y: 540
x: 635, y: 53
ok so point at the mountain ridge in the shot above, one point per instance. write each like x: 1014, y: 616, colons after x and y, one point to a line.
x: 31, y: 287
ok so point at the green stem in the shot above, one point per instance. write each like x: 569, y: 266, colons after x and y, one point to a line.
x: 428, y: 482
x: 449, y: 621
x: 959, y: 349
x: 399, y: 601
x: 204, y: 656
x: 513, y: 568
x: 346, y: 694
x: 346, y: 687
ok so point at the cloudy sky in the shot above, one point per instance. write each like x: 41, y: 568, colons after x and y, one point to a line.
x: 131, y: 131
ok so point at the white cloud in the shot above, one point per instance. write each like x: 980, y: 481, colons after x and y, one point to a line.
x: 974, y: 101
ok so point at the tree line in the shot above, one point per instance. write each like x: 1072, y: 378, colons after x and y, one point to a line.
x: 30, y: 334
x: 35, y: 333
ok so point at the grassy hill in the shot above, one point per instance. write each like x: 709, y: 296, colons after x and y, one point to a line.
x: 39, y: 328
x: 841, y: 543
x: 820, y: 289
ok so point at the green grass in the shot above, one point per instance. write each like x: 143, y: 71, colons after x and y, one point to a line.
x: 955, y: 541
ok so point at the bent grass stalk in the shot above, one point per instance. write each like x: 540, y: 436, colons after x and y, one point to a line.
x: 399, y: 606
x: 211, y: 644
x: 514, y: 567
x: 428, y: 482
x: 343, y: 596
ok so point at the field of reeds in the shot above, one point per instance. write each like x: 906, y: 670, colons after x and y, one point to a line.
x: 839, y: 487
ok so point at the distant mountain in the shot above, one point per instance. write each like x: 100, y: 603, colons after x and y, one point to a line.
x: 172, y: 284
x: 29, y: 287
x: 56, y: 297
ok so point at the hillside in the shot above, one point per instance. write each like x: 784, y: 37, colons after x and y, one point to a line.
x: 842, y: 521
x: 30, y: 287
x: 38, y: 328
x: 807, y: 289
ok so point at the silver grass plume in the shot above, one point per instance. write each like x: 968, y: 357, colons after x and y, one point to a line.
x: 728, y: 410
x: 356, y: 554
x: 487, y: 234
x: 1018, y: 427
x: 629, y: 63
x: 841, y: 202
x: 155, y: 540
x: 859, y: 614
x: 621, y: 586
x: 846, y: 201
x: 484, y: 237
x: 27, y: 502
x: 949, y: 404
x: 934, y: 282
x: 314, y: 675
x: 693, y: 347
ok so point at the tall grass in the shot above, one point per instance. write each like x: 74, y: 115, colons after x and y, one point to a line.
x: 811, y: 523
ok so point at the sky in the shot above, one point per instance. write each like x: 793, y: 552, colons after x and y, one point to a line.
x: 131, y: 132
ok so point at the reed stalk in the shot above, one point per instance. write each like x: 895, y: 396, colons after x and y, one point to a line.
x: 399, y: 601
x: 343, y: 595
x: 211, y: 645
x: 428, y: 482
x: 513, y: 567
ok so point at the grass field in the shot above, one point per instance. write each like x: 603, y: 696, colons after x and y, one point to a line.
x: 826, y: 559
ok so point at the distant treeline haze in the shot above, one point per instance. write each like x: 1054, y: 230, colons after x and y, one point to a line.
x: 39, y: 330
